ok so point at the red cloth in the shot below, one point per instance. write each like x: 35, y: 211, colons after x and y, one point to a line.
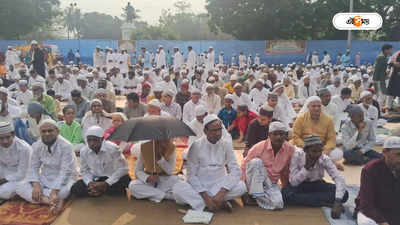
x: 242, y: 122
x: 379, y: 196
x: 107, y: 134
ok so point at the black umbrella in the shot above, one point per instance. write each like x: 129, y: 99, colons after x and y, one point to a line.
x: 151, y: 128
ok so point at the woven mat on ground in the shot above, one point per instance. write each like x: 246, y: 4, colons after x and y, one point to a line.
x: 347, y: 217
x: 23, y: 213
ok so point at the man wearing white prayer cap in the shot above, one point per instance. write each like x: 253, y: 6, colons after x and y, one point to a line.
x: 356, y: 88
x: 14, y: 160
x: 24, y: 95
x: 170, y: 106
x: 212, y: 100
x: 197, y: 124
x: 359, y: 137
x: 315, y: 122
x: 267, y: 162
x: 259, y: 93
x: 188, y: 112
x: 109, y: 177
x: 380, y: 177
x: 62, y: 88
x: 168, y: 84
x: 370, y: 111
x: 154, y: 109
x: 208, y: 183
x: 240, y: 97
x: 52, y: 170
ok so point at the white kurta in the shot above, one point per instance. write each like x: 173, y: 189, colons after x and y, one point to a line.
x: 332, y: 110
x: 14, y: 163
x: 191, y: 60
x: 207, y: 167
x: 243, y: 99
x: 188, y: 111
x: 177, y: 60
x: 23, y: 98
x: 112, y: 163
x: 259, y: 97
x: 54, y: 170
x: 242, y: 61
x: 63, y: 89
x: 213, y: 103
x: 341, y: 106
x: 90, y: 120
x: 140, y: 189
x: 161, y: 59
x: 98, y: 59
x: 371, y: 113
x: 257, y: 61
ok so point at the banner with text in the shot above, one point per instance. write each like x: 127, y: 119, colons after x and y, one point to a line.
x: 285, y: 47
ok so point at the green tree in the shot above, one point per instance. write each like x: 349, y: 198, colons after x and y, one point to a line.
x: 144, y: 31
x: 297, y: 19
x: 21, y: 17
x: 96, y: 25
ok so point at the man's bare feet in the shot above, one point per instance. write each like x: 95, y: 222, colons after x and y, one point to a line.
x: 228, y: 206
x: 57, y: 207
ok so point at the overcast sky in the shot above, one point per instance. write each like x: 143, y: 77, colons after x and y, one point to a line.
x: 150, y: 9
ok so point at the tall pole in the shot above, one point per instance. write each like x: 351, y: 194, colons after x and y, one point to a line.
x: 349, y: 32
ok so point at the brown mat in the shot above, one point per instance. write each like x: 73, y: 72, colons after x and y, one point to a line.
x: 119, y: 211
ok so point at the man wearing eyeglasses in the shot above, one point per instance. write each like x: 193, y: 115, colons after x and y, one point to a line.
x: 14, y: 160
x: 52, y: 170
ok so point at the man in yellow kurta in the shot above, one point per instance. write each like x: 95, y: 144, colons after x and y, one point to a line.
x: 229, y: 86
x: 315, y: 122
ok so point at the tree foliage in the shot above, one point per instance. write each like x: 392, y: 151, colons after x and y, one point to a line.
x: 297, y: 19
x: 96, y: 25
x: 21, y: 17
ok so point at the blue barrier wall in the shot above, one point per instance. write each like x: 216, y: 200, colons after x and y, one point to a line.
x: 368, y: 49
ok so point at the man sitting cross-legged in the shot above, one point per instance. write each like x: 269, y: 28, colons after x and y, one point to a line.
x: 213, y: 174
x: 52, y: 170
x: 14, y: 160
x: 307, y: 186
x: 155, y: 179
x: 103, y: 167
x: 266, y: 163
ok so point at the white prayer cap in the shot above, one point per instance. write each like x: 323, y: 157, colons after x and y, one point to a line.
x: 3, y: 90
x: 9, y: 47
x: 166, y: 74
x: 312, y: 99
x: 392, y: 142
x: 200, y: 110
x: 48, y: 121
x: 102, y: 76
x: 355, y: 78
x: 237, y: 85
x: 34, y: 42
x: 211, y: 79
x: 95, y: 131
x: 59, y: 76
x: 365, y: 94
x: 211, y: 47
x: 81, y: 77
x: 308, y: 65
x: 89, y: 75
x: 277, y: 126
x: 277, y: 86
x: 234, y: 77
x: 169, y: 92
x: 75, y: 68
x: 22, y: 82
x: 155, y: 103
x: 365, y: 76
x: 101, y: 91
x: 260, y: 80
x: 209, y: 119
x: 196, y: 91
x: 146, y: 72
x: 176, y: 47
x: 96, y: 100
x: 38, y: 84
x: 185, y: 81
x: 157, y: 88
x: 6, y: 127
x: 229, y: 96
x: 160, y: 46
x: 97, y: 46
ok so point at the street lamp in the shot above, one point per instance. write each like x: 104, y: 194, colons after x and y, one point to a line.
x: 349, y: 32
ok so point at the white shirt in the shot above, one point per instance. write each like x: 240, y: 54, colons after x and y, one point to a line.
x: 161, y: 60
x: 98, y: 59
x: 341, y: 106
x: 38, y: 79
x: 335, y: 90
x: 213, y: 103
x: 326, y: 59
x: 191, y: 60
x: 244, y: 99
x: 14, y: 161
x: 242, y: 60
x: 63, y: 89
x: 23, y: 98
x: 109, y: 162
x: 169, y: 86
x: 257, y: 60
x: 90, y: 120
x: 332, y: 111
x: 52, y: 169
x: 259, y: 97
x: 188, y: 110
x: 221, y: 59
x: 314, y: 60
x: 207, y: 164
x: 371, y: 114
x: 177, y: 60
x: 13, y: 75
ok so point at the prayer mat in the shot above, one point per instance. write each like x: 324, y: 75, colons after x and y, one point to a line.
x: 347, y: 217
x: 382, y: 131
x: 23, y: 213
